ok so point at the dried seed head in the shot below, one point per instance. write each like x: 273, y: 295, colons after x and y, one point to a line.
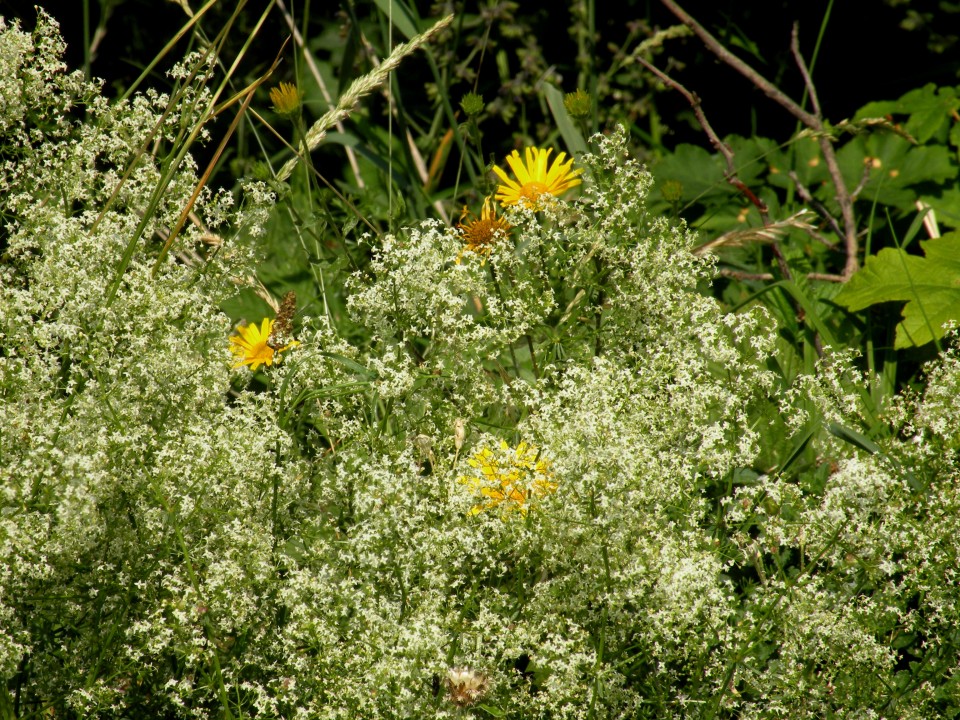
x: 465, y: 686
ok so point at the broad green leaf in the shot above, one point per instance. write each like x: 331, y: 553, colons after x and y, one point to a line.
x: 752, y: 157
x: 930, y: 286
x: 803, y: 157
x: 699, y: 172
x: 929, y: 109
x: 897, y: 167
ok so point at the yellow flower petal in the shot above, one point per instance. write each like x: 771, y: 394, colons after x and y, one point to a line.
x: 252, y: 345
x: 508, y: 479
x: 535, y: 177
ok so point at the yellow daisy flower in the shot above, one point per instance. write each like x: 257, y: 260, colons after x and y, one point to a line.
x: 252, y: 346
x: 480, y: 233
x: 509, y: 478
x: 534, y: 178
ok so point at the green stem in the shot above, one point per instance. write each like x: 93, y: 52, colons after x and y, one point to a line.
x: 496, y: 284
x: 533, y: 356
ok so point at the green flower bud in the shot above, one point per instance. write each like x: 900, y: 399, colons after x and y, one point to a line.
x: 472, y: 104
x: 672, y: 190
x: 578, y: 104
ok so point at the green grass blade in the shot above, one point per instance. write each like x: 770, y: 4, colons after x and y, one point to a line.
x: 571, y: 135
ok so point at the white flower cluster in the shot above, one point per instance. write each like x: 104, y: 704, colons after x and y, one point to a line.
x: 134, y: 496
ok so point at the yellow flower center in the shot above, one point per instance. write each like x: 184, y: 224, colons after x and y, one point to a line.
x: 531, y: 191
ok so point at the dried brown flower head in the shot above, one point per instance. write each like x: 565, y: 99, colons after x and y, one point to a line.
x: 465, y: 686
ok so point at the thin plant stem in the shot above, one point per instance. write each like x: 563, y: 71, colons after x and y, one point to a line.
x: 496, y: 285
x: 318, y: 78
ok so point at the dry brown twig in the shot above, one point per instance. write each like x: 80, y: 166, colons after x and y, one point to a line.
x: 731, y: 171
x: 804, y: 192
x: 721, y: 147
x: 813, y: 121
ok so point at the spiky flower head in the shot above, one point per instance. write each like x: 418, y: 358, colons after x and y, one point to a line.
x: 671, y: 190
x: 472, y: 104
x: 252, y: 346
x: 465, y: 686
x: 535, y: 179
x: 578, y: 104
x: 480, y: 233
x: 509, y: 478
x: 286, y: 99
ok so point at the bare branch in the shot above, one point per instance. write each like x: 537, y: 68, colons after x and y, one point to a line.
x: 721, y: 147
x: 767, y: 87
x: 813, y: 121
x: 846, y: 208
x: 828, y: 277
x: 740, y: 275
x: 804, y: 71
x: 864, y: 178
x: 810, y: 200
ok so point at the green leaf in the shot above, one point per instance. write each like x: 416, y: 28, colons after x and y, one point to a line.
x: 699, y: 172
x: 930, y: 285
x: 803, y: 157
x: 900, y: 168
x: 929, y: 108
x: 800, y: 442
x: 854, y: 438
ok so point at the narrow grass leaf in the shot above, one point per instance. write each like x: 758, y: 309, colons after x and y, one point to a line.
x: 571, y: 135
x: 854, y: 438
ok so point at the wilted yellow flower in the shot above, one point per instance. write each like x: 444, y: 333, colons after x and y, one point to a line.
x: 510, y: 477
x: 286, y: 99
x: 534, y: 178
x: 480, y: 233
x: 252, y: 346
